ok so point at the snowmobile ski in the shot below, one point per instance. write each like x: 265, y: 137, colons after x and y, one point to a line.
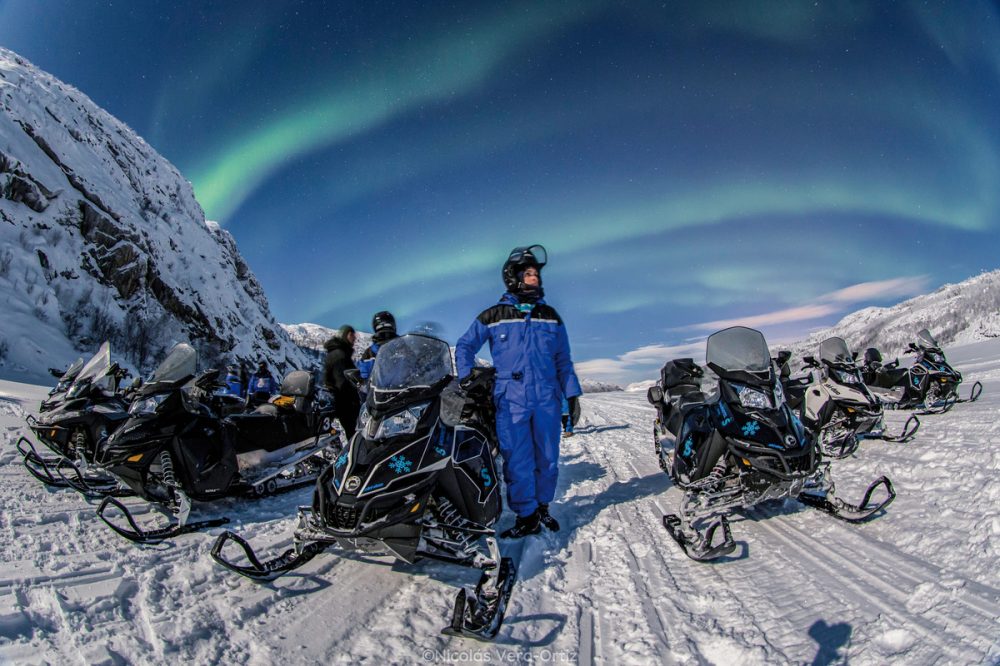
x: 852, y: 513
x: 906, y: 434
x: 139, y: 535
x: 478, y: 614
x: 291, y: 559
x: 974, y: 393
x: 701, y: 549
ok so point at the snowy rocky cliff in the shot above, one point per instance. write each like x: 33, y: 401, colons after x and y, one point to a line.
x: 311, y: 338
x: 102, y: 238
x: 955, y: 314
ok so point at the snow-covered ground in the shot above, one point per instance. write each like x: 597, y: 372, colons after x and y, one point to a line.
x: 918, y: 585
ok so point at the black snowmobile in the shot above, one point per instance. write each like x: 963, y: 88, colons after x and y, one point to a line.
x: 929, y: 385
x: 418, y: 480
x: 739, y: 446
x: 177, y: 446
x: 58, y: 392
x: 836, y: 406
x: 75, y: 425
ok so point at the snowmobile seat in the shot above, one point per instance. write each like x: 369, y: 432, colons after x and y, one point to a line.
x: 678, y: 373
x: 891, y: 377
x: 299, y: 385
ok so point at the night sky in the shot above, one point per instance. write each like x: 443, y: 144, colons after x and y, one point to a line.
x: 686, y: 165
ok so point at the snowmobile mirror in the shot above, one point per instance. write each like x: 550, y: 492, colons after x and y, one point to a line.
x: 783, y: 357
x: 57, y: 373
x: 854, y: 355
x: 354, y: 376
x: 810, y: 360
x: 654, y: 395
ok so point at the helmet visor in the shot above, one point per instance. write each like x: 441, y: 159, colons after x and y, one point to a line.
x: 534, y: 254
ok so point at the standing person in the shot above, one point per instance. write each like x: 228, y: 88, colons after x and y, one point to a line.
x: 261, y: 385
x: 530, y: 350
x: 339, y: 352
x: 384, y: 329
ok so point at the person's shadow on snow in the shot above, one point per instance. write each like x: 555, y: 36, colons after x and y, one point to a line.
x: 831, y: 637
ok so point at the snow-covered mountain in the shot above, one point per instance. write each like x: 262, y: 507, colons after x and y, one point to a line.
x: 595, y: 386
x: 312, y: 337
x: 102, y: 238
x: 955, y: 314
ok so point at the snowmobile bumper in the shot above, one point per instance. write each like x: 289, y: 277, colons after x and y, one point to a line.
x: 852, y: 513
x: 139, y: 535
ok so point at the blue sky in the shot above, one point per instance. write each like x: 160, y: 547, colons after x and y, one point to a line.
x: 687, y: 166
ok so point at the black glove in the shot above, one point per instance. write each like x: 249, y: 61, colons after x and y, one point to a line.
x: 574, y: 409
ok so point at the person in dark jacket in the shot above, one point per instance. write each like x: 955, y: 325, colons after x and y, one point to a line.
x: 384, y: 329
x: 530, y: 350
x: 339, y: 353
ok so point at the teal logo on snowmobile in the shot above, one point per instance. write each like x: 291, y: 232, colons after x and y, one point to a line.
x: 724, y: 413
x: 688, y: 447
x: 441, y: 451
x: 399, y: 464
x: 485, y: 474
x: 341, y: 461
x: 750, y: 428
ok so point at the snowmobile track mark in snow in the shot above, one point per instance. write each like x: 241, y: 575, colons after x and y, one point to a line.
x: 874, y: 592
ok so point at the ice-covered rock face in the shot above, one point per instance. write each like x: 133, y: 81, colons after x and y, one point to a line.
x: 102, y: 238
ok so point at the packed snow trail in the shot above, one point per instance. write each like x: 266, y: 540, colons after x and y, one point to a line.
x: 917, y: 585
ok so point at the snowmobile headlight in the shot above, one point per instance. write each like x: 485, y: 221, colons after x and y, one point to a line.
x: 401, y: 423
x: 754, y: 399
x: 846, y: 377
x: 146, y: 405
x: 937, y: 358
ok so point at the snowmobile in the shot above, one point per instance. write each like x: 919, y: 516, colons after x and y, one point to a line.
x: 835, y: 405
x: 58, y: 392
x: 90, y: 409
x: 929, y: 385
x: 177, y: 446
x: 739, y: 446
x: 417, y: 481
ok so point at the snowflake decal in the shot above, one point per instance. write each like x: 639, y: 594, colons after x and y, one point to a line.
x: 399, y: 464
x: 750, y: 428
x: 341, y: 461
x: 441, y: 451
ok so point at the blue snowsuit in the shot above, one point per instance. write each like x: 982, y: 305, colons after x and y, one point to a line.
x: 530, y: 350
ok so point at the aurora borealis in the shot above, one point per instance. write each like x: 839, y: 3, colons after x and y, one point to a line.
x: 685, y: 165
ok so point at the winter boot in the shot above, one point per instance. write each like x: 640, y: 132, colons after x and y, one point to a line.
x: 545, y: 518
x: 523, y: 527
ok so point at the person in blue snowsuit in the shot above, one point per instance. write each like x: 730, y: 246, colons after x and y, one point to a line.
x: 531, y: 353
x: 261, y: 385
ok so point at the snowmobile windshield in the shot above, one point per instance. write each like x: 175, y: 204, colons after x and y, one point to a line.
x: 96, y: 366
x: 181, y: 362
x: 411, y: 361
x: 835, y: 352
x: 925, y: 339
x: 73, y: 370
x: 738, y: 349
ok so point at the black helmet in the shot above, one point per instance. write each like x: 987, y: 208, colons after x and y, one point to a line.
x: 383, y: 326
x: 521, y: 258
